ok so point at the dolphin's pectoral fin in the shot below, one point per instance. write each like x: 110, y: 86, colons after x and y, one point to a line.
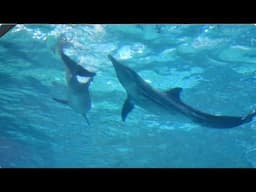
x: 174, y: 93
x: 127, y: 107
x: 59, y: 88
x: 58, y: 93
x: 65, y: 102
x: 87, y: 120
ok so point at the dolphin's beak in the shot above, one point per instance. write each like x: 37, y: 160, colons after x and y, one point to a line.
x: 113, y: 60
x: 115, y: 63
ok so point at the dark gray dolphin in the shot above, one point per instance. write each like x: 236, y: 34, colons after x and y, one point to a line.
x: 4, y: 28
x: 78, y: 81
x: 169, y: 102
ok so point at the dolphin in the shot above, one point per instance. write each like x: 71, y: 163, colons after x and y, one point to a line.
x: 140, y: 93
x: 4, y: 28
x: 78, y: 81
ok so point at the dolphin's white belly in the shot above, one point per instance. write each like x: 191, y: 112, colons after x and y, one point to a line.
x: 159, y: 107
x: 169, y: 114
x: 79, y: 101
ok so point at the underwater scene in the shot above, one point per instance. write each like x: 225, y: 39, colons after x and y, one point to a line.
x: 127, y: 95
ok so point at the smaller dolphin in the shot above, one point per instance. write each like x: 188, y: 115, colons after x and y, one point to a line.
x: 140, y: 93
x: 4, y: 28
x: 78, y: 81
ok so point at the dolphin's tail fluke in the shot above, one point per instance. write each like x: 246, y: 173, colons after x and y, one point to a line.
x: 4, y: 28
x: 248, y: 118
x: 74, y: 68
x: 57, y: 44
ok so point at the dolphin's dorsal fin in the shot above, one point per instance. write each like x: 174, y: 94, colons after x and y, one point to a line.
x: 174, y: 93
x: 127, y: 108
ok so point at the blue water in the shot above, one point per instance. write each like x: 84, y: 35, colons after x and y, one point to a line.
x: 215, y: 64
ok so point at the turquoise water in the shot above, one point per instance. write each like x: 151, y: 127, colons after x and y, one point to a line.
x: 215, y: 64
